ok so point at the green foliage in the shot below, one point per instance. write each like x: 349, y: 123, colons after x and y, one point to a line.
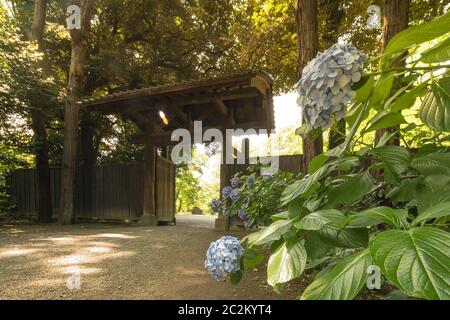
x: 415, y: 260
x: 260, y: 199
x: 343, y: 282
x: 385, y: 205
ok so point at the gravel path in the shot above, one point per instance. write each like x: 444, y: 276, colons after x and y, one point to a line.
x: 118, y: 262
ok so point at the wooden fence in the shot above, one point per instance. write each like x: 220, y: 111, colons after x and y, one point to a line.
x: 113, y: 192
x: 289, y: 163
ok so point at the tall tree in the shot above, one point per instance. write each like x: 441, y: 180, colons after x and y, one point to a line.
x: 331, y: 13
x: 396, y: 18
x: 38, y: 121
x: 308, y: 47
x: 77, y: 77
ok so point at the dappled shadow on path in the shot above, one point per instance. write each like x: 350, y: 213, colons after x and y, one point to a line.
x: 116, y: 262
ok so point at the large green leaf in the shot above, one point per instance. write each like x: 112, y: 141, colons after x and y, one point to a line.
x: 394, y: 217
x: 417, y: 261
x: 317, y: 220
x: 252, y: 258
x: 351, y: 189
x: 405, y: 191
x: 344, y: 238
x: 270, y: 233
x: 416, y: 35
x: 317, y: 162
x: 386, y: 120
x: 315, y: 247
x: 439, y: 53
x: 408, y: 99
x: 382, y: 88
x: 437, y: 211
x: 437, y: 163
x: 364, y: 91
x: 343, y: 282
x: 303, y: 186
x: 286, y: 263
x: 427, y: 196
x: 435, y: 109
x: 396, y: 159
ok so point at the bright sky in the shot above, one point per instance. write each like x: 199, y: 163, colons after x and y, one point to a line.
x: 287, y: 114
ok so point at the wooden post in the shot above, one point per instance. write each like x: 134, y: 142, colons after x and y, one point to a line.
x: 149, y: 205
x: 223, y: 223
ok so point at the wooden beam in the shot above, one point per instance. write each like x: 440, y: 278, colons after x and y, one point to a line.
x: 149, y: 203
x: 147, y: 103
x: 220, y: 106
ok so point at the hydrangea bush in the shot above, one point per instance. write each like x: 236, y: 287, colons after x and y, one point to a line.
x: 223, y: 257
x: 365, y: 207
x: 252, y: 197
x: 326, y: 84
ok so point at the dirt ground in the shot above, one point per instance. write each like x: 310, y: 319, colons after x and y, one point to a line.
x: 118, y: 262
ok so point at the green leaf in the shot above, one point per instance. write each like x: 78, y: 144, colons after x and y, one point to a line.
x: 405, y: 191
x: 428, y: 197
x: 236, y: 277
x: 435, y: 108
x: 317, y: 220
x: 364, y: 91
x: 395, y: 158
x: 416, y: 35
x: 439, y: 53
x: 303, y: 186
x: 344, y: 238
x: 252, y: 258
x: 408, y: 99
x: 280, y: 216
x: 417, y: 261
x: 315, y: 247
x: 351, y: 190
x: 385, y: 121
x: 286, y: 263
x: 295, y: 208
x: 437, y: 211
x: 437, y: 163
x: 270, y: 233
x: 343, y: 282
x: 317, y: 162
x: 382, y: 88
x: 394, y: 217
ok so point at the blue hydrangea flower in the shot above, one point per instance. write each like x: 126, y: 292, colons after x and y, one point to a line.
x: 226, y: 191
x: 235, y: 181
x: 250, y: 180
x: 222, y: 257
x: 326, y: 84
x: 215, y: 205
x: 242, y: 213
x: 234, y: 194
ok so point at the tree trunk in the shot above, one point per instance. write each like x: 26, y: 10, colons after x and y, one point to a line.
x: 333, y: 13
x: 77, y: 75
x: 396, y: 16
x: 308, y: 46
x: 38, y: 121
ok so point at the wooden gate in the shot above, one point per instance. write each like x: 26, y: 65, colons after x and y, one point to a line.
x: 106, y: 192
x: 165, y: 190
